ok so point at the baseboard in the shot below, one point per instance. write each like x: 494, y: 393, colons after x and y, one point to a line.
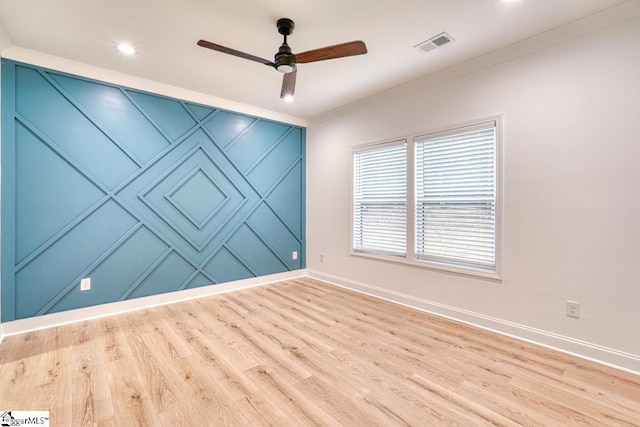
x: 56, y: 319
x: 606, y: 356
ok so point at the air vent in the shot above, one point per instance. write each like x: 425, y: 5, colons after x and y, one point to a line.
x: 434, y: 42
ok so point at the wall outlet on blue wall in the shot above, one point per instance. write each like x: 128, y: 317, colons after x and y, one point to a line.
x: 85, y: 284
x: 294, y: 255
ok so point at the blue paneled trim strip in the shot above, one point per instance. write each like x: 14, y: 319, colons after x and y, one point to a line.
x: 231, y: 143
x: 38, y: 251
x: 180, y: 184
x: 266, y: 243
x: 188, y: 280
x: 127, y: 93
x: 272, y: 189
x: 76, y: 281
x: 269, y: 150
x: 146, y: 274
x: 61, y: 153
x: 155, y: 160
x: 244, y: 264
x: 89, y: 117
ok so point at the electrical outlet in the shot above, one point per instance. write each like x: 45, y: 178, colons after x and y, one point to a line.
x: 573, y: 309
x: 85, y: 284
x: 294, y: 255
x: 321, y: 257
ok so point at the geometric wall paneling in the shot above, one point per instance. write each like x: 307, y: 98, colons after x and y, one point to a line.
x: 172, y: 273
x: 169, y: 115
x: 224, y: 267
x: 143, y: 193
x: 254, y: 252
x: 65, y: 198
x: 39, y: 106
x: 265, y: 224
x: 276, y: 162
x: 279, y: 199
x: 125, y: 124
x: 45, y: 278
x: 226, y: 127
x: 250, y: 147
x: 116, y: 274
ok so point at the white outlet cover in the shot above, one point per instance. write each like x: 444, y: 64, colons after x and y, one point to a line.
x: 85, y: 284
x: 573, y: 309
x: 294, y: 255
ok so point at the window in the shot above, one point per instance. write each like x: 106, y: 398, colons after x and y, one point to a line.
x: 380, y: 199
x: 456, y: 197
x: 442, y: 210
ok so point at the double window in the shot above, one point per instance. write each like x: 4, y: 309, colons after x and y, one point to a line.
x: 431, y: 199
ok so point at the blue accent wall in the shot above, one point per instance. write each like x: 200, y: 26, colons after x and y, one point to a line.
x: 143, y: 193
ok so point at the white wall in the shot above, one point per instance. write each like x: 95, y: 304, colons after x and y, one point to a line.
x: 571, y: 190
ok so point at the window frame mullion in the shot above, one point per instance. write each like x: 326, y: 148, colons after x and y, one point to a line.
x: 411, y: 200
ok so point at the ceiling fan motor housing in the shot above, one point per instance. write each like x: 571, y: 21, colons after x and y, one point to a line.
x: 285, y: 60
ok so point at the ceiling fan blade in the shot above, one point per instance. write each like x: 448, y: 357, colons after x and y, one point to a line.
x: 233, y: 52
x: 330, y: 52
x: 288, y: 84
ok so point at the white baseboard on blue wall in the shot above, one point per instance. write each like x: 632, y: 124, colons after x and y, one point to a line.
x: 585, y: 350
x: 56, y: 319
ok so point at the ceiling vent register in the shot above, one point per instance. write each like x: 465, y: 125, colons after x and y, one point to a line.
x: 434, y: 42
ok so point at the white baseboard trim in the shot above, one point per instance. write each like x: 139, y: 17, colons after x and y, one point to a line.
x: 585, y: 350
x: 56, y: 319
x: 600, y: 354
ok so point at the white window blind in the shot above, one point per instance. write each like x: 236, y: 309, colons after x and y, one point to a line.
x: 380, y: 199
x: 456, y: 197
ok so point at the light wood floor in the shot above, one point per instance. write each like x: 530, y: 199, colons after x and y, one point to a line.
x: 302, y: 353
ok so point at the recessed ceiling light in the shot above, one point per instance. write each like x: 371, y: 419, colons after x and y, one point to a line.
x: 127, y: 49
x: 288, y: 98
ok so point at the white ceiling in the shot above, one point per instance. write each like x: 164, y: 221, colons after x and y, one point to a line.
x: 166, y: 31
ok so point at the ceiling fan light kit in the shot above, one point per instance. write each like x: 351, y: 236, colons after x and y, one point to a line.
x: 285, y: 61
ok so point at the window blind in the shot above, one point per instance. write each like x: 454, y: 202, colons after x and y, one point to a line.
x: 380, y: 199
x: 456, y: 197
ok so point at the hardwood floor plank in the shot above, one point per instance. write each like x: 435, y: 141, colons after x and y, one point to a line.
x: 300, y: 408
x: 91, y: 398
x: 24, y: 372
x: 302, y: 352
x: 337, y: 404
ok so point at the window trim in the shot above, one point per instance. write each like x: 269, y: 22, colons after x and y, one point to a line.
x: 363, y: 149
x: 411, y: 258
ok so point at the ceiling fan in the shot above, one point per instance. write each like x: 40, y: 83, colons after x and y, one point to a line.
x: 286, y: 62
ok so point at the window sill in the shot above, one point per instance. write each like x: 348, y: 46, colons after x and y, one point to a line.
x: 467, y: 271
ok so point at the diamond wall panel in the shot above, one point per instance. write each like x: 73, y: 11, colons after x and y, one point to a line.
x: 144, y: 194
